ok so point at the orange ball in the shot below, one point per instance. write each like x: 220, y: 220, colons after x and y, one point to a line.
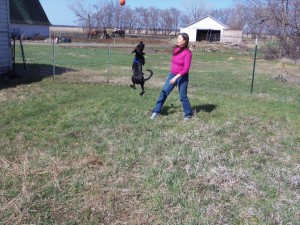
x: 122, y: 2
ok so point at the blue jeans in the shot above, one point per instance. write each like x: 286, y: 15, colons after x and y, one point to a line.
x: 182, y: 83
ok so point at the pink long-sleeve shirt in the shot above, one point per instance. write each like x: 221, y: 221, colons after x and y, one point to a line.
x: 181, y: 63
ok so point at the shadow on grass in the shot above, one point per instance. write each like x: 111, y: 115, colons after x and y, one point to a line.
x: 33, y: 73
x: 167, y: 110
x: 206, y: 108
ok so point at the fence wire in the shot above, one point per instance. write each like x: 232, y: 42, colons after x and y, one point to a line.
x: 72, y: 62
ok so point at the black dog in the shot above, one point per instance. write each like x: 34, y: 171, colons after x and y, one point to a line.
x: 137, y: 67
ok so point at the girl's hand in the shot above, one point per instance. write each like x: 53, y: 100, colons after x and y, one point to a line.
x: 173, y: 80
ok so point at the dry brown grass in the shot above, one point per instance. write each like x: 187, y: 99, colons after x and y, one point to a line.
x: 110, y: 200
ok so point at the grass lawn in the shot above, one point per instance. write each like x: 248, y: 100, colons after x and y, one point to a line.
x: 76, y: 149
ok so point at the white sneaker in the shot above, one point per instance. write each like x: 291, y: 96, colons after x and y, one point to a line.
x: 187, y: 118
x: 153, y: 116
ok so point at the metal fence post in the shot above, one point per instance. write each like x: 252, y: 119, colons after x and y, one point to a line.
x: 254, y: 65
x: 108, y: 62
x: 53, y: 54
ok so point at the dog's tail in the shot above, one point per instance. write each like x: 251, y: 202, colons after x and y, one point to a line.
x: 151, y: 73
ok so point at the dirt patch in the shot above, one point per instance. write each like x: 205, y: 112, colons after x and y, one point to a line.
x: 91, y: 76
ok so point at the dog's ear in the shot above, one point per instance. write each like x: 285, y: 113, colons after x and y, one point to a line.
x: 141, y: 44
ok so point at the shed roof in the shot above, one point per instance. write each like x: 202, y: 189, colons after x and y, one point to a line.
x: 27, y: 12
x: 207, y: 17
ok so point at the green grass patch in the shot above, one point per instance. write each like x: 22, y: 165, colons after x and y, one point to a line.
x: 78, y: 150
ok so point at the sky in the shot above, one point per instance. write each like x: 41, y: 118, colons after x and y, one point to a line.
x: 59, y: 13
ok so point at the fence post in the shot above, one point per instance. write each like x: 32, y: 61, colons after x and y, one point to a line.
x: 108, y: 62
x: 53, y: 54
x: 297, y: 54
x: 254, y: 65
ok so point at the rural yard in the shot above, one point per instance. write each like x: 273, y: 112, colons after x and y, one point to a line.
x: 78, y: 147
x: 89, y: 133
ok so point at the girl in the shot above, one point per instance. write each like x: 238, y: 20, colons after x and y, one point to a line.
x: 179, y: 75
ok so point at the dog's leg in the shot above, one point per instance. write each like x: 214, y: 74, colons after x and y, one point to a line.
x: 142, y: 86
x: 133, y: 83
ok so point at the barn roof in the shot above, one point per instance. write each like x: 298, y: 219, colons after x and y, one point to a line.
x: 27, y: 12
x: 205, y: 18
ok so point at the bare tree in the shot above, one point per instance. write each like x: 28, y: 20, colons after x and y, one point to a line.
x: 143, y: 18
x: 84, y: 13
x: 295, y: 17
x: 153, y: 20
x: 195, y: 9
x: 166, y: 21
x: 107, y: 14
x: 184, y: 19
x: 223, y: 15
x: 130, y: 20
x: 110, y: 12
x: 119, y: 16
x: 275, y: 17
x: 102, y: 14
x: 237, y: 19
x: 176, y: 15
x: 99, y: 15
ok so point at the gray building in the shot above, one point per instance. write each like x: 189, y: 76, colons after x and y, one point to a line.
x: 5, y: 44
x: 28, y: 17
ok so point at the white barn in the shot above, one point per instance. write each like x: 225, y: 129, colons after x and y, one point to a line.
x: 5, y: 44
x: 205, y: 29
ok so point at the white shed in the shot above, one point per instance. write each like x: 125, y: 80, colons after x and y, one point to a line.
x: 5, y: 44
x: 205, y: 29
